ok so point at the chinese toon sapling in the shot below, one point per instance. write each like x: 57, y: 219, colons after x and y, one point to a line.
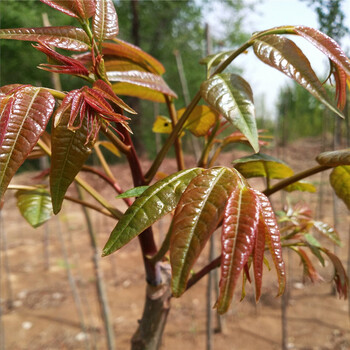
x: 200, y: 199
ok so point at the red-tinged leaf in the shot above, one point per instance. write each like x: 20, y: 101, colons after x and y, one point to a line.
x: 121, y: 65
x: 144, y: 79
x: 273, y: 239
x: 327, y: 231
x: 232, y: 96
x: 34, y: 205
x: 334, y: 158
x: 284, y: 55
x: 340, y: 85
x: 157, y: 201
x: 6, y: 104
x: 65, y: 37
x: 69, y: 153
x: 309, y: 269
x: 340, y: 181
x: 74, y: 8
x: 197, y: 215
x: 238, y: 137
x: 258, y: 257
x: 30, y: 112
x: 325, y: 44
x: 239, y: 227
x: 125, y: 50
x: 145, y: 93
x: 107, y: 92
x: 340, y: 277
x: 105, y: 22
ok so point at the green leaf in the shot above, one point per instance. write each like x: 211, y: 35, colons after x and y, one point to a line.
x: 302, y: 186
x: 31, y: 110
x: 262, y: 165
x: 157, y: 201
x: 334, y: 158
x: 239, y: 227
x: 144, y: 79
x: 105, y: 21
x: 197, y: 215
x: 34, y: 205
x: 340, y: 181
x: 133, y: 192
x: 215, y: 59
x: 327, y: 231
x: 284, y: 55
x: 325, y: 44
x: 65, y: 37
x: 232, y: 96
x: 69, y: 153
x: 312, y: 240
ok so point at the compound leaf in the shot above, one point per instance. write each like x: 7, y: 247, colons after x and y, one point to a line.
x: 74, y: 8
x: 105, y: 22
x: 155, y: 202
x: 327, y: 231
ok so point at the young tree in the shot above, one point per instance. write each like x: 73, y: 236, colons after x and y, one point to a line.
x: 201, y: 198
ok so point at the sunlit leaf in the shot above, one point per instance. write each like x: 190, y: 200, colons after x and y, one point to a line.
x: 215, y: 59
x: 31, y: 109
x: 34, y: 205
x: 239, y: 227
x: 262, y: 165
x: 157, y: 201
x: 238, y: 137
x: 127, y: 89
x: 74, y: 8
x: 258, y: 256
x: 302, y: 186
x: 340, y: 181
x: 334, y: 158
x: 126, y: 51
x: 144, y: 79
x: 65, y: 37
x: 284, y: 55
x: 69, y: 153
x: 133, y: 192
x: 309, y: 269
x: 232, y: 96
x: 105, y: 22
x: 201, y: 119
x: 197, y: 215
x: 327, y: 231
x: 121, y: 65
x: 162, y: 125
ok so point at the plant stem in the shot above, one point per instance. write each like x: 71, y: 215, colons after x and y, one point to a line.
x: 121, y: 146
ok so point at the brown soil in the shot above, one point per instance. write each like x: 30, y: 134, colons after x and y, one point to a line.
x: 39, y: 311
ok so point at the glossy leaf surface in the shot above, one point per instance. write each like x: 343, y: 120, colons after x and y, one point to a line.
x: 145, y: 93
x: 105, y: 22
x: 144, y: 79
x: 327, y: 231
x: 232, y: 96
x: 334, y: 158
x: 239, y: 227
x: 65, y: 37
x: 74, y: 8
x: 262, y: 165
x: 340, y: 181
x: 157, y: 201
x: 123, y: 50
x: 30, y: 112
x: 197, y: 215
x: 69, y: 153
x: 284, y: 55
x: 34, y: 205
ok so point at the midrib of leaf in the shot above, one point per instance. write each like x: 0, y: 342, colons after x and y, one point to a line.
x: 41, y: 206
x: 236, y: 232
x: 17, y: 135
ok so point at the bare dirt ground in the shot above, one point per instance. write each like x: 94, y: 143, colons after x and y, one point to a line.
x: 40, y: 312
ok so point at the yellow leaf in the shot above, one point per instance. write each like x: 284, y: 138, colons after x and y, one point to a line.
x: 162, y: 125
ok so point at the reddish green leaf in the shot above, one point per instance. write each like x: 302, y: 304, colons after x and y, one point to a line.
x: 144, y: 79
x: 325, y: 44
x: 327, y: 231
x: 309, y: 269
x: 340, y: 181
x: 157, y: 201
x: 340, y: 277
x: 105, y: 22
x: 273, y: 239
x: 197, y: 215
x: 126, y: 51
x: 74, y: 8
x: 284, y: 55
x: 215, y: 59
x: 334, y: 158
x: 34, y: 205
x: 21, y: 128
x: 302, y: 186
x: 232, y: 96
x: 121, y: 65
x: 65, y: 37
x: 69, y: 153
x: 239, y: 227
x: 262, y: 165
x: 258, y: 257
